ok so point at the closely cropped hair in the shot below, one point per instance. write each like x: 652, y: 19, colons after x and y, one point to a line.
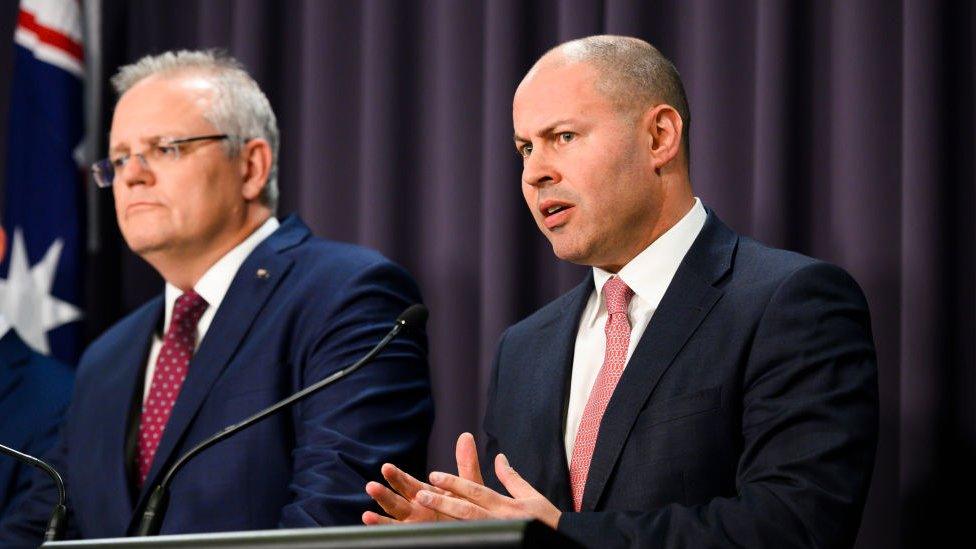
x: 634, y: 74
x: 239, y: 108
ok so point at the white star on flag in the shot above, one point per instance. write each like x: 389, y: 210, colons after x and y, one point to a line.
x: 25, y: 296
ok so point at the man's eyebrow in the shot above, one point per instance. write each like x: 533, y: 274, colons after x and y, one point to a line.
x: 119, y: 148
x: 151, y: 140
x: 545, y: 131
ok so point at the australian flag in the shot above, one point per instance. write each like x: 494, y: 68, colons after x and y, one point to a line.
x: 41, y: 279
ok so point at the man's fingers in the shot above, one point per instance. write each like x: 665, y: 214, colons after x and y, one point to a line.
x: 466, y: 453
x: 466, y: 489
x: 452, y: 507
x: 371, y: 519
x: 400, y: 481
x: 517, y: 486
x: 391, y: 502
x: 405, y: 484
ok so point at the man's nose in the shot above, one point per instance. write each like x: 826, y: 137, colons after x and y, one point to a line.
x: 538, y: 170
x: 135, y: 172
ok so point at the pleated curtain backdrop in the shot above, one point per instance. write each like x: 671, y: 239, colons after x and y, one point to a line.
x: 840, y: 129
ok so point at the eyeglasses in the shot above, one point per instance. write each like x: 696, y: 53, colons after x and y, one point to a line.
x: 164, y: 150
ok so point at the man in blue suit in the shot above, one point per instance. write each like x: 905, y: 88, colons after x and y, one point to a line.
x: 34, y: 392
x: 252, y: 312
x: 697, y: 389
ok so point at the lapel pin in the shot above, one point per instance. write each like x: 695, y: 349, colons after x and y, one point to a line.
x: 263, y: 273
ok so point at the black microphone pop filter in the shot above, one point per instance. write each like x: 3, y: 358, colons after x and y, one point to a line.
x: 414, y: 317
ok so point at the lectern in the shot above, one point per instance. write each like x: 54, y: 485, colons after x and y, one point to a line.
x: 481, y: 534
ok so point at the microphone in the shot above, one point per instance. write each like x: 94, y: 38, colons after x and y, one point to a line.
x: 152, y: 518
x: 59, y: 518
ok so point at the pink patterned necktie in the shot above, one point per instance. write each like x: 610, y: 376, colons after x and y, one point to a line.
x: 171, y: 368
x: 617, y: 297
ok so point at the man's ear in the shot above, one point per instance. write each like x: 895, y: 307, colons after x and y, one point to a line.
x: 664, y: 128
x: 255, y: 167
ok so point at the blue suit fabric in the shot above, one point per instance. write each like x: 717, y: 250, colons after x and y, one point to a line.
x: 299, y: 309
x: 34, y: 393
x: 747, y: 415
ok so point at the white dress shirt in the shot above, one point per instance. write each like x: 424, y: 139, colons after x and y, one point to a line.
x: 649, y: 274
x: 212, y: 287
x: 4, y: 326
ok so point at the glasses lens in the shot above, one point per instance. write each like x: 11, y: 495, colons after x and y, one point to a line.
x: 103, y: 172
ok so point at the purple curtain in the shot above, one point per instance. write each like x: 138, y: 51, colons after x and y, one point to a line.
x: 840, y: 129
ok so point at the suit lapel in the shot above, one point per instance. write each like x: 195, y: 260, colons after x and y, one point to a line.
x: 117, y: 392
x: 245, y: 298
x: 688, y: 300
x: 552, y: 364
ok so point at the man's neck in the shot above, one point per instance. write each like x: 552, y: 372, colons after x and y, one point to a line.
x: 672, y: 211
x: 184, y: 268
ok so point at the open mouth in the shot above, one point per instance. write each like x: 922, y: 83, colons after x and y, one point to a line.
x: 555, y: 213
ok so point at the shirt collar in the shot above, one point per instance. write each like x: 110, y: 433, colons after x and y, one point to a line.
x: 4, y: 326
x: 650, y: 272
x: 214, y: 283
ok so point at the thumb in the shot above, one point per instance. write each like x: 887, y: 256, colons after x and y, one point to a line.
x: 518, y: 487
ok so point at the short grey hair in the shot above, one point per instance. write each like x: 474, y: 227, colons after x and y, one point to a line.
x: 239, y: 107
x: 633, y: 74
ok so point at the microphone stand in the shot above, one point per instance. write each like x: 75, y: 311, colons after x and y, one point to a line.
x: 59, y: 517
x: 152, y: 517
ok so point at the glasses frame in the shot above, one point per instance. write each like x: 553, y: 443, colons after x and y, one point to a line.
x: 103, y: 171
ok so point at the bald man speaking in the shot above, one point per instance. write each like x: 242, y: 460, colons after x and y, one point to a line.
x: 697, y: 389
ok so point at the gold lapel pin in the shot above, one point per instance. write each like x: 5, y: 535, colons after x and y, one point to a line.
x: 263, y: 273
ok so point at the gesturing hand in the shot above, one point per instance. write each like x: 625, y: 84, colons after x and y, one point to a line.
x: 400, y: 502
x: 463, y: 499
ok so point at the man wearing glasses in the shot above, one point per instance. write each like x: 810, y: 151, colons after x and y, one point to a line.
x: 253, y: 310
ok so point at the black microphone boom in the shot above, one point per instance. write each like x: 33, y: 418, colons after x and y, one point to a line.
x: 59, y: 518
x: 152, y: 518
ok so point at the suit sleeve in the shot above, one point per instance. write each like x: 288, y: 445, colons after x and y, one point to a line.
x: 381, y: 413
x: 809, y: 432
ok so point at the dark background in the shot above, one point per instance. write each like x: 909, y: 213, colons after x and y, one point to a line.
x: 840, y: 129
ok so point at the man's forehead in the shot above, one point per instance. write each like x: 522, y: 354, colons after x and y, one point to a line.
x: 557, y: 79
x: 552, y: 94
x: 159, y: 107
x: 166, y: 93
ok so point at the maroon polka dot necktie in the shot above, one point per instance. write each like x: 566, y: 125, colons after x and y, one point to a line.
x: 171, y: 367
x: 617, y: 296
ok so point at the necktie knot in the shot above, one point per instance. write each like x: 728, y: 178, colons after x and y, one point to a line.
x: 187, y: 311
x: 617, y: 295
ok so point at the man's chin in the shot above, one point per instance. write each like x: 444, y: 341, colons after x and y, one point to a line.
x: 143, y: 245
x: 570, y: 253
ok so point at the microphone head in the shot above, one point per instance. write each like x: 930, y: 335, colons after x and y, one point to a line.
x: 415, y: 316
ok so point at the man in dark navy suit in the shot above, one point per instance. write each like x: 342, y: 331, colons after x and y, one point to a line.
x: 34, y: 392
x: 697, y: 389
x: 253, y: 311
